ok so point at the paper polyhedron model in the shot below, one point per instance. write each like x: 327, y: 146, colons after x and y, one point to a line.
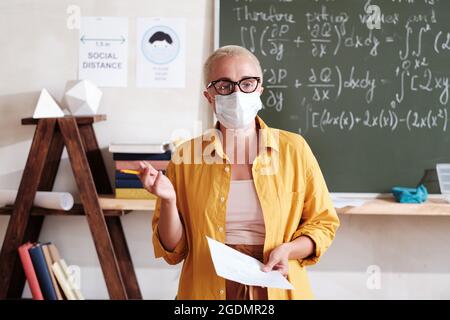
x: 47, y: 107
x: 82, y: 97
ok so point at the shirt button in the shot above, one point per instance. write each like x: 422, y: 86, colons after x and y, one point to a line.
x: 222, y: 199
x: 221, y: 292
x: 227, y: 169
x: 221, y: 229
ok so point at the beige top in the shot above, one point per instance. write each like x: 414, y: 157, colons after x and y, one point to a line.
x: 244, y: 219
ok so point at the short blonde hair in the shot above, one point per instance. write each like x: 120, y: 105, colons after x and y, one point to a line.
x: 230, y: 50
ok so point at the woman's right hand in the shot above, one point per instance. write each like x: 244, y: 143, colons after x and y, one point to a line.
x: 156, y: 182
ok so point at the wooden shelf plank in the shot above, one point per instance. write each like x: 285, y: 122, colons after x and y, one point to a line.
x: 388, y: 206
x: 79, y: 119
x: 77, y: 210
x: 110, y: 205
x: 118, y: 207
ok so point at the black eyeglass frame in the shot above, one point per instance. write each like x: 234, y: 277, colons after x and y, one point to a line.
x: 234, y: 83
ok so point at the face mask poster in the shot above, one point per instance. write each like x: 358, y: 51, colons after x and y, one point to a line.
x: 103, y: 51
x: 160, y: 53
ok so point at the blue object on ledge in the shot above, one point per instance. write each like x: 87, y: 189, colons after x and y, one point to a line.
x: 410, y: 195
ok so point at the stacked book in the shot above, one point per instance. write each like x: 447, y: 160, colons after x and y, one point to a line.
x: 127, y: 158
x: 47, y: 274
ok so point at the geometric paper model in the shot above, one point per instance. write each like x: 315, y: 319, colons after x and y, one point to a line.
x: 47, y: 107
x: 82, y: 97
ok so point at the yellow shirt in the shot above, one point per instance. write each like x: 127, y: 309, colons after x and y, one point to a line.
x: 293, y: 195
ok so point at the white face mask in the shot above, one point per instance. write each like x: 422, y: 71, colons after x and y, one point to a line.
x: 237, y: 110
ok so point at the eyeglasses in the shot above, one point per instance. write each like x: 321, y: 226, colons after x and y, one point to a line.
x: 226, y: 87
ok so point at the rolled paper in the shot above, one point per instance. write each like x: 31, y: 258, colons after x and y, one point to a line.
x: 43, y: 199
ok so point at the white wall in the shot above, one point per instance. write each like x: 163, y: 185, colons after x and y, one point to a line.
x: 37, y: 51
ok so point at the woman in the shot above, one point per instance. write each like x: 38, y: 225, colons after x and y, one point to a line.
x: 257, y: 189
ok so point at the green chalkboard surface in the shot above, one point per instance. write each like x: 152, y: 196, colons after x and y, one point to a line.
x: 365, y: 82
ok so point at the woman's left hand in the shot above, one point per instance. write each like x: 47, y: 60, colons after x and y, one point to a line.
x: 278, y: 260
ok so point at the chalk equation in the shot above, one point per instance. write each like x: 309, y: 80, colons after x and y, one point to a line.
x: 367, y: 59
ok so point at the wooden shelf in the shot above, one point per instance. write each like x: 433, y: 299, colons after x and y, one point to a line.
x: 435, y: 206
x: 102, y: 214
x: 77, y: 210
x: 118, y: 207
x: 111, y: 207
x: 80, y: 120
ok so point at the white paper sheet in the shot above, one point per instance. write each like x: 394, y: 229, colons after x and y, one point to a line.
x: 43, y: 199
x: 341, y: 202
x: 233, y: 265
x: 161, y: 52
x: 103, y: 51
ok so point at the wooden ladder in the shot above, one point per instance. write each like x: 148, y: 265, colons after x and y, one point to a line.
x: 78, y: 136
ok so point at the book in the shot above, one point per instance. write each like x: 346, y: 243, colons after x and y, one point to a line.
x: 128, y: 184
x: 134, y: 164
x: 54, y: 253
x: 60, y: 270
x: 49, y: 262
x: 42, y: 272
x: 143, y: 156
x: 140, y: 148
x: 75, y: 289
x: 134, y: 193
x: 63, y: 281
x: 30, y: 273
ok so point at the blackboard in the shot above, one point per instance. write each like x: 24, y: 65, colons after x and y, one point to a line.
x: 365, y: 82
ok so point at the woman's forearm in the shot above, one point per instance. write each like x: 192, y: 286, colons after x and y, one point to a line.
x: 301, y: 248
x: 170, y: 227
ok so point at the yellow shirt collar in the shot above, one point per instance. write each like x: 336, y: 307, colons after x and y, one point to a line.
x: 269, y: 137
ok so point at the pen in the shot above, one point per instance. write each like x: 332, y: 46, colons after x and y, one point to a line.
x: 130, y: 171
